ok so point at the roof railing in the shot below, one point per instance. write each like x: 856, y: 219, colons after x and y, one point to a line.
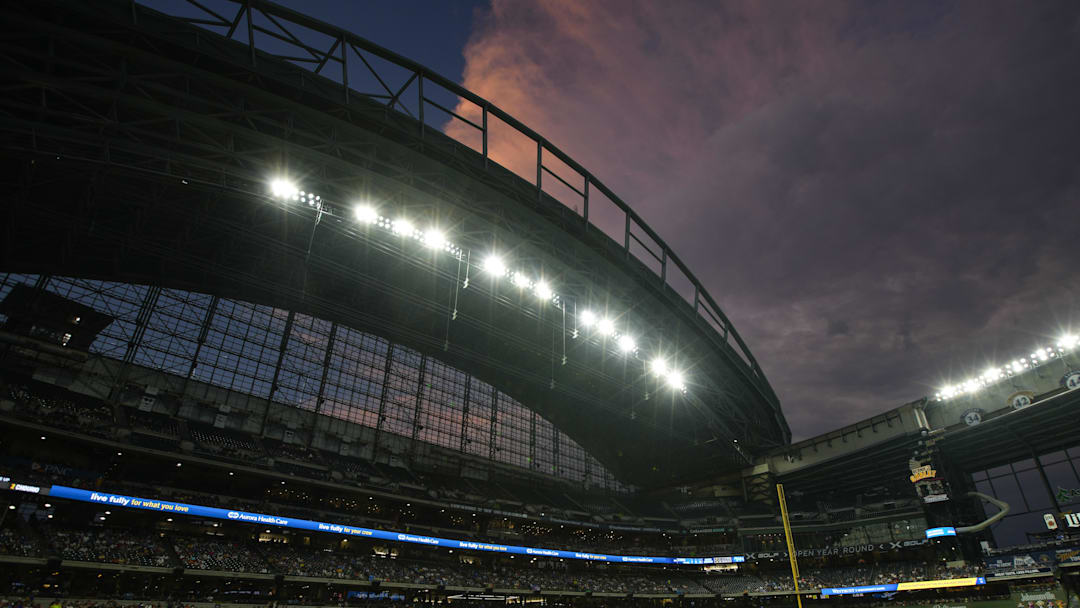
x: 399, y: 84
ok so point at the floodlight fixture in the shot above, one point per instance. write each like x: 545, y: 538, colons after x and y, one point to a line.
x: 606, y: 327
x: 658, y: 366
x: 520, y: 280
x: 403, y: 227
x: 365, y: 214
x: 626, y: 344
x: 434, y: 239
x: 587, y: 318
x: 283, y: 188
x: 675, y: 380
x: 543, y: 290
x: 493, y: 264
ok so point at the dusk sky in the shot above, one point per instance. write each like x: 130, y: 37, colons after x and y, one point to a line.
x: 882, y: 196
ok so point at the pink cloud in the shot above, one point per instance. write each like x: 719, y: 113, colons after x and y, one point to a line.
x: 854, y: 183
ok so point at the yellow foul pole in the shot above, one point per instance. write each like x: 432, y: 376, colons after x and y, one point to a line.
x: 790, y: 542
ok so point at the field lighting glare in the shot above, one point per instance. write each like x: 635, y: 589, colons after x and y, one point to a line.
x: 658, y: 366
x: 587, y: 318
x: 606, y: 326
x: 520, y: 280
x: 543, y: 290
x: 434, y: 239
x: 403, y: 227
x: 675, y: 380
x: 283, y: 188
x: 494, y: 265
x: 626, y: 344
x: 365, y: 214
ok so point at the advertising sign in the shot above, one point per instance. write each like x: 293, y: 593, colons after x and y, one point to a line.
x: 936, y: 532
x: 166, y: 506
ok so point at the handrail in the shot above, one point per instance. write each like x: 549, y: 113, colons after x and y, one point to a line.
x: 343, y: 41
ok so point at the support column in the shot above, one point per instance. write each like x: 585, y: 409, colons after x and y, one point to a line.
x: 204, y: 330
x: 141, y: 321
x: 277, y: 369
x: 532, y: 443
x: 494, y: 417
x: 555, y: 470
x: 416, y: 408
x: 464, y: 422
x: 382, y: 401
x: 322, y: 382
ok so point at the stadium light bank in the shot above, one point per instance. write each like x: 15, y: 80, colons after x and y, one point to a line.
x: 993, y: 375
x: 494, y: 265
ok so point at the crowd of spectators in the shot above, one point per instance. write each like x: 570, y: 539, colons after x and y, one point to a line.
x: 92, y: 417
x: 222, y: 443
x: 109, y: 545
x: 224, y: 555
x: 157, y: 424
x: 16, y: 543
x: 232, y: 555
x: 295, y: 452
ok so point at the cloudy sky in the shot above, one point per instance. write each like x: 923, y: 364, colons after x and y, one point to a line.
x: 882, y: 196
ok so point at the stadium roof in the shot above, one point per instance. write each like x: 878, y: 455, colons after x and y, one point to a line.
x: 140, y: 147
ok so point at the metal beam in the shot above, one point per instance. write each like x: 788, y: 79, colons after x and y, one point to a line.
x: 277, y: 370
x: 146, y: 308
x: 204, y: 330
x: 416, y: 407
x: 382, y: 401
x: 322, y: 381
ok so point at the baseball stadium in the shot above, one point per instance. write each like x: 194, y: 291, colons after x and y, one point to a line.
x: 269, y: 335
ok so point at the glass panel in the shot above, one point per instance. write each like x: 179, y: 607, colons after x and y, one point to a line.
x: 244, y: 342
x: 1052, y: 457
x: 1006, y: 488
x: 1063, y: 482
x: 1034, y: 490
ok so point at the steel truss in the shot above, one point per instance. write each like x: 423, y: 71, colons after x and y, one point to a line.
x: 206, y: 119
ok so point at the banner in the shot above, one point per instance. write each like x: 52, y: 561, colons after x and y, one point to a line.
x: 941, y: 584
x: 895, y: 545
x: 1019, y: 563
x: 862, y: 589
x: 1067, y: 556
x: 936, y: 532
x: 165, y: 506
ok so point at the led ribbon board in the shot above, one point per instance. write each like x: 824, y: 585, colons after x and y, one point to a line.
x: 952, y: 582
x: 936, y: 532
x: 911, y: 586
x: 165, y: 506
x: 862, y: 589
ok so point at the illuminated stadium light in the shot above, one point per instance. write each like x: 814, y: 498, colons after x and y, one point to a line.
x: 403, y: 227
x: 365, y: 214
x: 587, y: 318
x: 493, y: 264
x: 993, y: 375
x: 434, y: 239
x: 658, y: 367
x: 283, y: 189
x: 675, y: 380
x: 520, y: 280
x: 543, y: 290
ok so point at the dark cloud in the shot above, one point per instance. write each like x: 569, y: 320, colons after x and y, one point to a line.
x: 882, y: 196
